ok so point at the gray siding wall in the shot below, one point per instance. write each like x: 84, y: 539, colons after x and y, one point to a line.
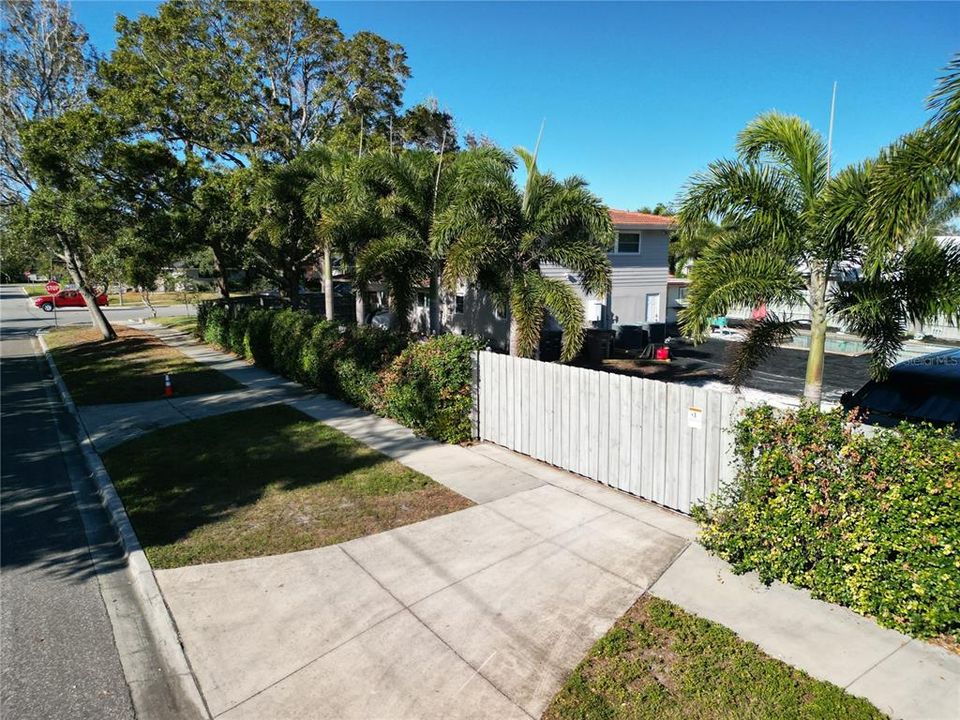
x: 633, y: 277
x: 478, y: 318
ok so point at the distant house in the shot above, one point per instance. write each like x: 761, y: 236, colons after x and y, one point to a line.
x: 638, y: 292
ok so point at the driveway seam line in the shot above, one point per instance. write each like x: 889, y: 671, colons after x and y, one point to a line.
x: 886, y: 657
x: 311, y: 662
x: 436, y: 635
x: 580, y: 477
x: 670, y: 564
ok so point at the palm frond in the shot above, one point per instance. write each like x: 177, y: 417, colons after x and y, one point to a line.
x: 870, y: 308
x: 945, y: 123
x: 759, y: 200
x: 762, y: 339
x: 907, y: 182
x: 791, y: 143
x: 526, y: 311
x: 749, y: 278
x: 566, y: 306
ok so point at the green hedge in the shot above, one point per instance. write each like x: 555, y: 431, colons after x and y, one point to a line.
x: 870, y: 521
x: 424, y: 385
x: 428, y: 387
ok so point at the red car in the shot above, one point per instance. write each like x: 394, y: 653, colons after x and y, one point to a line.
x: 66, y: 298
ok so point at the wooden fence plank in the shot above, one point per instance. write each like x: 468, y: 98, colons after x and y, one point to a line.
x: 603, y: 428
x: 636, y: 435
x: 712, y: 454
x: 624, y: 400
x: 697, y: 449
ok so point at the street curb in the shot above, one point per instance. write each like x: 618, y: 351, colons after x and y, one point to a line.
x: 144, y: 583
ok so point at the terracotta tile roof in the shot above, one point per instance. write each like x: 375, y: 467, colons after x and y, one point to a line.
x: 639, y: 219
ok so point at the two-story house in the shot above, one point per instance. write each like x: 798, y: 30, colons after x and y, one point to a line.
x: 638, y: 287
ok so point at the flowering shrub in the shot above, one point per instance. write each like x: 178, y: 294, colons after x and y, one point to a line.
x: 870, y: 521
x: 425, y: 386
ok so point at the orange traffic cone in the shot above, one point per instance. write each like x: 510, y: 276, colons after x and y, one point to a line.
x: 167, y: 386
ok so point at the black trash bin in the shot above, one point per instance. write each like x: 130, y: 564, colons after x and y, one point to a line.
x: 550, y: 345
x: 599, y: 344
x: 631, y: 337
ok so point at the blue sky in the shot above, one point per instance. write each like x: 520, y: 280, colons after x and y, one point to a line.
x: 637, y: 96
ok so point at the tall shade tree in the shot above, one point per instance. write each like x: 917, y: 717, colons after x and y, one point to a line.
x: 95, y: 194
x: 233, y: 81
x: 218, y: 216
x: 426, y: 127
x: 46, y: 62
x: 501, y: 235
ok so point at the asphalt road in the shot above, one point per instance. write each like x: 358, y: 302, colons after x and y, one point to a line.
x: 58, y: 657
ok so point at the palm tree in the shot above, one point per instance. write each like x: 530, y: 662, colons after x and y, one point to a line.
x: 286, y: 236
x: 904, y: 199
x: 347, y: 218
x: 917, y: 172
x: 419, y: 192
x: 501, y: 236
x: 774, y: 248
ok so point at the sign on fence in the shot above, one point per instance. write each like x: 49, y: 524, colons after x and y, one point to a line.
x: 665, y: 442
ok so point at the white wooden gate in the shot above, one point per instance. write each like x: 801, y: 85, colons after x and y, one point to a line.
x: 665, y: 442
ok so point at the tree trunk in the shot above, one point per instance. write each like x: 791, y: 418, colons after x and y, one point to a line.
x: 291, y: 286
x: 328, y: 282
x: 813, y: 385
x: 100, y: 321
x: 434, y: 327
x: 220, y: 268
x: 514, y: 337
x: 360, y: 306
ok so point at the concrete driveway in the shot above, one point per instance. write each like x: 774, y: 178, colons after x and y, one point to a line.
x: 477, y: 614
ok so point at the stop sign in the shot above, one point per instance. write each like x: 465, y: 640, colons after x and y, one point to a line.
x: 52, y: 287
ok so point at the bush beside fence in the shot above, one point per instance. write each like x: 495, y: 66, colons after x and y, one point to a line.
x: 423, y: 385
x: 867, y: 521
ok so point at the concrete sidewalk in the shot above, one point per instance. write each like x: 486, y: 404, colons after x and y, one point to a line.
x: 483, y: 613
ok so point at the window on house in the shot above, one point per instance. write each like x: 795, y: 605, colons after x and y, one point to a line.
x: 628, y: 242
x: 423, y: 300
x: 458, y: 305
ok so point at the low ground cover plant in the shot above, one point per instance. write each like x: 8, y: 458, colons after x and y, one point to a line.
x: 424, y: 385
x: 866, y: 520
x: 662, y: 663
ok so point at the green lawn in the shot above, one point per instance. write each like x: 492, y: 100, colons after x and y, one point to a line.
x: 128, y: 369
x: 35, y: 290
x: 186, y: 323
x: 662, y: 663
x: 262, y: 482
x: 160, y: 299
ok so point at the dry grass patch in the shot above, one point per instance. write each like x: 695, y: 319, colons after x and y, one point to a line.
x: 128, y: 369
x: 661, y: 663
x: 263, y: 482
